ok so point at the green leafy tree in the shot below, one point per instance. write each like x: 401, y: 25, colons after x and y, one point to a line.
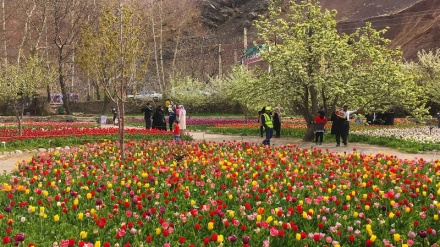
x: 22, y: 81
x: 115, y: 53
x: 313, y: 66
x: 244, y: 87
x: 427, y: 69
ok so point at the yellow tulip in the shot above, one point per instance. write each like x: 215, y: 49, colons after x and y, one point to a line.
x: 396, y: 237
x: 158, y: 231
x: 56, y: 218
x: 80, y: 216
x: 210, y: 225
x: 269, y: 219
x: 83, y: 234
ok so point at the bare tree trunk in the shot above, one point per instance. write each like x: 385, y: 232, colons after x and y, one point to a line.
x: 29, y: 14
x: 64, y: 91
x: 162, y: 82
x: 156, y: 55
x: 176, y: 49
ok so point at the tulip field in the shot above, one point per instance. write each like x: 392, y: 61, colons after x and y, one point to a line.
x: 199, y: 193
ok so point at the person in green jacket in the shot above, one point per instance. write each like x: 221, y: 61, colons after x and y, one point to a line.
x: 268, y: 125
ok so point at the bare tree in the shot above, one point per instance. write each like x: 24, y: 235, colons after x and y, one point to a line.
x: 120, y: 41
x: 67, y: 18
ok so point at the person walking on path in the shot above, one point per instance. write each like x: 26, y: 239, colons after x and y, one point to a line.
x: 277, y: 122
x: 341, y: 124
x: 320, y: 121
x: 181, y: 117
x: 260, y: 120
x: 148, y: 114
x: 268, y: 125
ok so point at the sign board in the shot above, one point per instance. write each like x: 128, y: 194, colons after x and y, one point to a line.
x: 251, y: 54
x: 103, y: 120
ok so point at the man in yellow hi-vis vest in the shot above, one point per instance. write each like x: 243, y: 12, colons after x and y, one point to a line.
x: 268, y: 125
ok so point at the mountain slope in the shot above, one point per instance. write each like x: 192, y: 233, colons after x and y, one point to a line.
x: 413, y: 24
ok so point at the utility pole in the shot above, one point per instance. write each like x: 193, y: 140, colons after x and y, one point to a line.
x: 245, y: 39
x: 220, y: 60
x: 245, y: 44
x: 235, y: 56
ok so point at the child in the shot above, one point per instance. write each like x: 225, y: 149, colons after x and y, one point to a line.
x: 176, y: 131
x: 320, y: 121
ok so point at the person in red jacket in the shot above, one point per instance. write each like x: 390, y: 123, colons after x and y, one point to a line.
x: 320, y: 121
x: 176, y: 131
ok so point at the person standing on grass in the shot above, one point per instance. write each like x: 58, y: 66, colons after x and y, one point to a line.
x: 268, y: 125
x: 320, y: 121
x: 277, y: 122
x: 176, y: 131
x: 148, y: 114
x: 181, y: 117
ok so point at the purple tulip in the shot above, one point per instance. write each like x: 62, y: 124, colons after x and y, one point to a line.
x: 423, y: 234
x: 232, y: 238
x: 19, y: 237
x: 246, y: 239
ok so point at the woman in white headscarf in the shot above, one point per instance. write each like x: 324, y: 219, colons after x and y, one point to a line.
x: 182, y: 118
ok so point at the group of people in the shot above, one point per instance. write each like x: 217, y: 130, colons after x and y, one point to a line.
x: 340, y: 125
x: 269, y: 123
x: 340, y: 128
x: 155, y: 118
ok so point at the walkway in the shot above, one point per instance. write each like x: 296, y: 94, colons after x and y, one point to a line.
x: 7, y: 163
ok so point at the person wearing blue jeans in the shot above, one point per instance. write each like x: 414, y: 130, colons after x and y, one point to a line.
x: 268, y: 125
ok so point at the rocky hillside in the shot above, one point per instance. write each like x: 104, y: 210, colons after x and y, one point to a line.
x: 413, y: 24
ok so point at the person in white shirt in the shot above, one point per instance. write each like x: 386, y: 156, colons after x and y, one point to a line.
x: 346, y: 128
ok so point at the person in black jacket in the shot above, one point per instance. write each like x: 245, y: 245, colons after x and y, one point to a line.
x: 148, y: 113
x: 277, y: 122
x: 172, y: 116
x: 159, y: 119
x: 260, y: 121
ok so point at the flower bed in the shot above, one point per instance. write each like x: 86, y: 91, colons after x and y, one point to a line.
x: 421, y: 135
x: 33, y: 130
x: 218, y: 194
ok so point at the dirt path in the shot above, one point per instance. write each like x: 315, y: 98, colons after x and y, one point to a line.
x: 9, y: 162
